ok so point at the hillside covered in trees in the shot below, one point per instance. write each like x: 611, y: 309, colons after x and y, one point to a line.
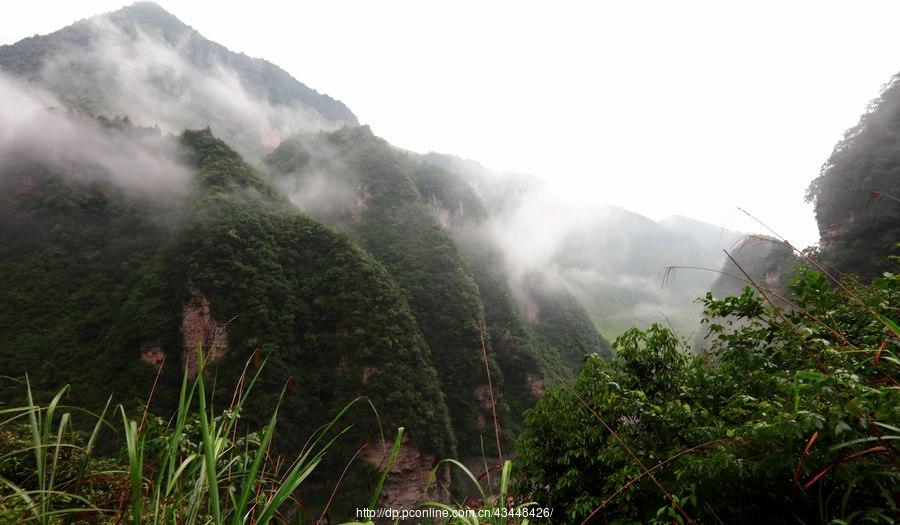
x: 246, y: 277
x: 857, y: 194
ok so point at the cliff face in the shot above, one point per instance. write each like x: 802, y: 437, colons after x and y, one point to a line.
x: 857, y: 194
x: 408, y: 483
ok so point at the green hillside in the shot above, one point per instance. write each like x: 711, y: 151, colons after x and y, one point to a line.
x: 383, y: 210
x: 94, y: 278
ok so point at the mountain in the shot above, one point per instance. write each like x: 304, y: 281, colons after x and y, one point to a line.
x: 130, y: 242
x: 143, y: 62
x: 611, y: 262
x: 544, y: 329
x: 857, y: 194
x: 373, y: 197
x: 428, y: 228
x: 104, y: 280
x: 164, y: 194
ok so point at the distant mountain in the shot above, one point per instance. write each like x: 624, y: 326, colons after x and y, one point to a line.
x: 857, y: 194
x: 612, y: 261
x: 143, y: 62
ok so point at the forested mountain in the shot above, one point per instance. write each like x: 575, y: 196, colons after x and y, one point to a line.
x: 546, y: 326
x: 857, y: 194
x: 382, y: 209
x: 160, y: 194
x: 143, y: 62
x: 104, y: 281
x: 147, y: 242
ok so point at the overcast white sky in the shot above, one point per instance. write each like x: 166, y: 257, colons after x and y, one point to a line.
x: 689, y: 108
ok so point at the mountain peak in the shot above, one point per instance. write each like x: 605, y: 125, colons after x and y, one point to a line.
x: 149, y: 15
x: 144, y: 62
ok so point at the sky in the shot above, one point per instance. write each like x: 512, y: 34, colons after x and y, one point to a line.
x: 663, y: 108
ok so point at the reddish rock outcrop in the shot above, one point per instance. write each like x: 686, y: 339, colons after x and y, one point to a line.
x: 483, y: 395
x: 367, y: 373
x: 407, y: 484
x: 152, y: 353
x: 200, y: 330
x: 535, y: 383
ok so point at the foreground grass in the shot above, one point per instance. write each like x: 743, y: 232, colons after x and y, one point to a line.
x: 197, y: 468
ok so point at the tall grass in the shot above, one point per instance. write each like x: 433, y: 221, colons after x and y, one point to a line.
x: 164, y: 478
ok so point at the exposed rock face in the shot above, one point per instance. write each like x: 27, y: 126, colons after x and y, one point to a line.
x: 152, y: 353
x: 367, y: 373
x: 483, y: 395
x: 200, y: 330
x: 407, y: 484
x: 355, y: 209
x: 535, y: 383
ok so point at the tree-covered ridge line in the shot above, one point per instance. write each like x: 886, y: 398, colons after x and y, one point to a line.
x: 384, y: 211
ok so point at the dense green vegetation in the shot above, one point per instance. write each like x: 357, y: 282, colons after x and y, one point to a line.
x: 857, y: 194
x: 561, y: 322
x: 89, y: 273
x: 386, y: 214
x: 462, y: 212
x: 71, y: 251
x: 238, y: 307
x: 791, y: 417
x: 564, y: 330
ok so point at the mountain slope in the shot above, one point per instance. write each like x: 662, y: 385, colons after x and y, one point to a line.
x: 857, y: 194
x: 612, y: 260
x: 143, y: 62
x: 553, y: 321
x: 102, y: 282
x: 360, y: 184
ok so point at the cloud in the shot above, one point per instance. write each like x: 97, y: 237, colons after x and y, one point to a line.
x: 33, y: 133
x: 612, y: 260
x: 169, y: 81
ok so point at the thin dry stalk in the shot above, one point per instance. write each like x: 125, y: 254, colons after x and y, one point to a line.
x: 822, y: 269
x: 152, y: 390
x: 659, y: 465
x: 340, y: 479
x: 487, y: 370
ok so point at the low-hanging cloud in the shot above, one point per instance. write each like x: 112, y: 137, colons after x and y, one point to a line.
x: 156, y: 79
x: 33, y: 132
x: 612, y: 260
